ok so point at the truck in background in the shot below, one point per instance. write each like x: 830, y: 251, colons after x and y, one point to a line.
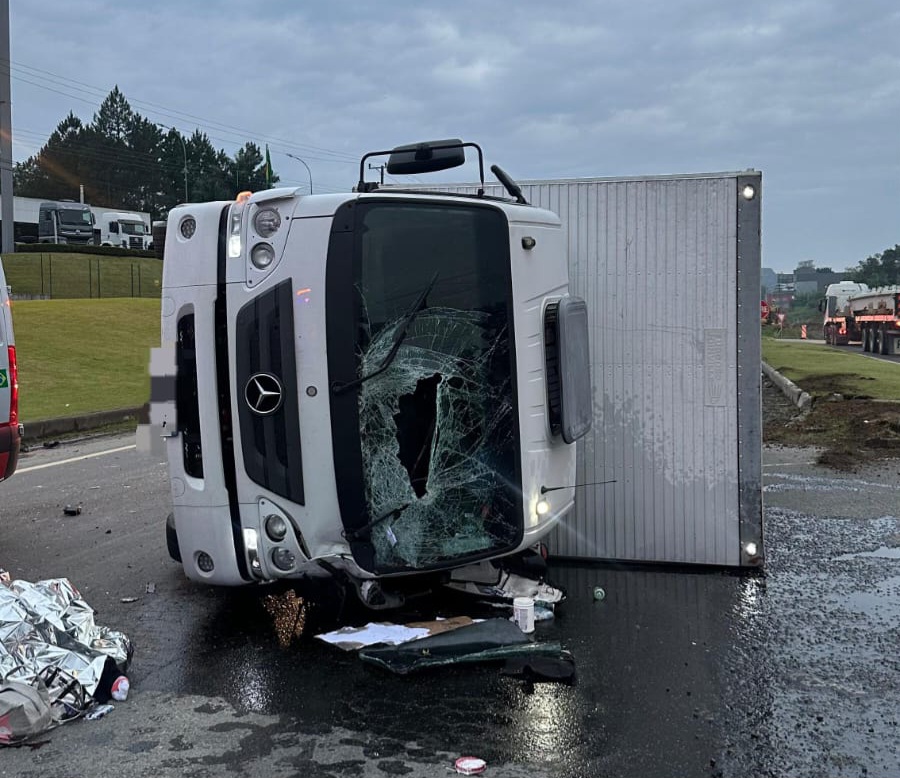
x: 65, y: 221
x: 856, y: 314
x: 121, y: 228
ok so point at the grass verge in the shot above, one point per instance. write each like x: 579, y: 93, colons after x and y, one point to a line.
x: 855, y: 415
x: 822, y: 371
x: 78, y: 356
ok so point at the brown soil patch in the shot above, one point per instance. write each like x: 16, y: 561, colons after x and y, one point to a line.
x: 852, y: 431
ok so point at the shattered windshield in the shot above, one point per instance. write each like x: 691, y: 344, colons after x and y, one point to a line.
x: 437, y: 427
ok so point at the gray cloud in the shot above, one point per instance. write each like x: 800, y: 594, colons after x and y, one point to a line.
x: 808, y: 91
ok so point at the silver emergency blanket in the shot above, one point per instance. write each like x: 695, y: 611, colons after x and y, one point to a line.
x: 48, y: 634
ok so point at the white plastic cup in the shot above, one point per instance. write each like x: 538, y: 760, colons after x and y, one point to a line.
x: 523, y: 613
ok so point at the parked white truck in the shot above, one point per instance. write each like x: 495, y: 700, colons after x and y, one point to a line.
x: 871, y: 317
x: 119, y: 228
x: 385, y: 384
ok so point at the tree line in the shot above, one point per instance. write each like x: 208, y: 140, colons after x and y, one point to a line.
x: 125, y: 161
x: 882, y: 269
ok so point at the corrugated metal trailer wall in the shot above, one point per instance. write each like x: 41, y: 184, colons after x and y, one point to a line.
x: 670, y: 269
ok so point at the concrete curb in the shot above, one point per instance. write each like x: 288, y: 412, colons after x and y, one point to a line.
x: 47, y: 428
x: 790, y: 390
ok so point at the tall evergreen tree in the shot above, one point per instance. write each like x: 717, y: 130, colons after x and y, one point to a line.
x: 126, y: 161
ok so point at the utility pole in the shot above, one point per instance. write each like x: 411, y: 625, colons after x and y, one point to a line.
x: 380, y: 169
x: 292, y: 156
x: 8, y: 242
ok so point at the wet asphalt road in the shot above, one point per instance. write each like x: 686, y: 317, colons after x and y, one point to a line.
x: 679, y: 673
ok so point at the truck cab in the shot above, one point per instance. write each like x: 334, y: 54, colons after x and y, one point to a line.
x: 387, y: 383
x: 838, y: 326
x: 65, y: 222
x: 127, y: 230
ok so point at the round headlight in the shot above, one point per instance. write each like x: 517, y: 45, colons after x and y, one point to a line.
x: 205, y: 562
x: 188, y: 227
x: 283, y: 558
x: 266, y: 222
x: 262, y: 255
x: 276, y: 527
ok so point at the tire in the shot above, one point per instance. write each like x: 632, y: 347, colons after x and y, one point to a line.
x: 883, y: 338
x: 876, y: 342
x: 172, y: 539
x: 867, y: 340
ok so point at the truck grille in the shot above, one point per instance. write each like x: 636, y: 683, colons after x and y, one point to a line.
x: 135, y: 242
x: 270, y: 426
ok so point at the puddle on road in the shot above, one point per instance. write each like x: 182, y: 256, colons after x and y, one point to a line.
x: 881, y: 553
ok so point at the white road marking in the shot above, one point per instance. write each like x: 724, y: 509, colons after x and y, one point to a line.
x: 76, y: 459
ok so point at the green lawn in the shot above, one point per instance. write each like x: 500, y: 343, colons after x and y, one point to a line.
x: 78, y: 356
x: 823, y: 370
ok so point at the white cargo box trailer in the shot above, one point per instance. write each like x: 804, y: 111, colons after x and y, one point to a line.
x: 670, y: 269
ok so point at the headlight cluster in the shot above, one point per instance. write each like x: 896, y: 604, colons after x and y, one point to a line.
x: 266, y: 222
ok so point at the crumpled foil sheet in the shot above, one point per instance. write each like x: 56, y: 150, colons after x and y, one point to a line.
x: 46, y: 626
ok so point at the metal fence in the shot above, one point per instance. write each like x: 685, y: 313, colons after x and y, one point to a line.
x: 56, y: 276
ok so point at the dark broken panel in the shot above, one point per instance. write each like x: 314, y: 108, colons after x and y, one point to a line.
x: 437, y: 432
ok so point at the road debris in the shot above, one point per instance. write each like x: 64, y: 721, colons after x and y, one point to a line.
x: 70, y: 510
x: 56, y: 664
x: 289, y: 612
x: 470, y: 765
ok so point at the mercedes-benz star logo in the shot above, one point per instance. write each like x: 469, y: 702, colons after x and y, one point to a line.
x: 263, y: 393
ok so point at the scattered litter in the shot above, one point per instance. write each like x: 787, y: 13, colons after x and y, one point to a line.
x: 470, y: 765
x: 523, y: 614
x: 599, y: 593
x: 51, y: 444
x: 72, y: 511
x: 353, y: 638
x: 486, y: 641
x: 128, y: 600
x: 99, y: 712
x: 289, y: 612
x: 150, y: 588
x: 510, y: 587
x: 543, y: 614
x: 119, y: 689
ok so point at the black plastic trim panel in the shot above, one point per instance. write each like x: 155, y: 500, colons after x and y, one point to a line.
x: 264, y: 343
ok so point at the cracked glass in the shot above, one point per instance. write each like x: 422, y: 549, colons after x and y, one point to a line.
x: 437, y: 425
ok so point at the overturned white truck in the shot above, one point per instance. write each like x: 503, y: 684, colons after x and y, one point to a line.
x: 388, y: 384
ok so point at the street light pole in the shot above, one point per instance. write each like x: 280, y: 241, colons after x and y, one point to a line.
x: 292, y: 156
x: 184, y: 151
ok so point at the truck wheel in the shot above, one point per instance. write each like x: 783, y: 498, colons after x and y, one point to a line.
x: 172, y: 538
x: 876, y: 342
x: 867, y: 340
x: 884, y: 343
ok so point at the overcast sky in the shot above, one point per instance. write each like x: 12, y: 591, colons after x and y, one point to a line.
x: 808, y: 91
